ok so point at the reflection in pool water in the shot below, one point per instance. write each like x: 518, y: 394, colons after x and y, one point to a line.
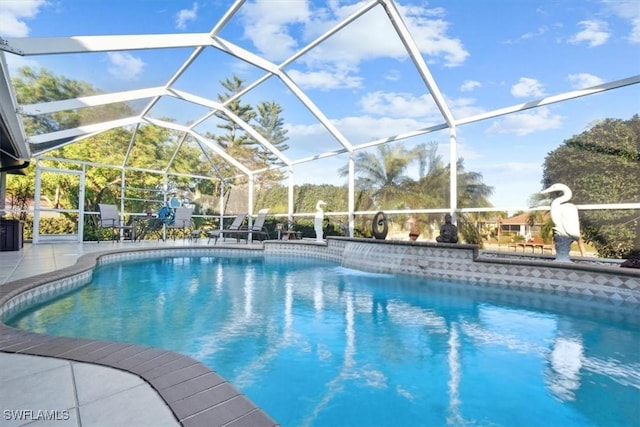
x: 316, y: 344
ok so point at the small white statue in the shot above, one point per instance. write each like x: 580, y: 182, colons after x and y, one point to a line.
x: 318, y: 220
x: 566, y: 222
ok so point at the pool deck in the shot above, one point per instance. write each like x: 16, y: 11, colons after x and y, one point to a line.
x: 72, y: 382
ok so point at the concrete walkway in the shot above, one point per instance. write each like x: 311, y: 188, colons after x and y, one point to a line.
x: 66, y: 393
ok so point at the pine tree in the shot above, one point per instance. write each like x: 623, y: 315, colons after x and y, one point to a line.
x: 270, y: 126
x: 236, y: 141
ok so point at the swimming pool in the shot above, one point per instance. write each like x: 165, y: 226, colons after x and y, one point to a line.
x: 313, y: 343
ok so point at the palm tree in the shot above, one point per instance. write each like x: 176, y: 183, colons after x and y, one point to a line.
x: 382, y: 174
x: 472, y: 192
x: 430, y: 190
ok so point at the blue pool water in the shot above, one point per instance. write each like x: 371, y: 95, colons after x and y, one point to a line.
x: 316, y: 344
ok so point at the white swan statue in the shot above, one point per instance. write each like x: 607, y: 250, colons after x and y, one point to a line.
x: 318, y: 220
x: 565, y: 220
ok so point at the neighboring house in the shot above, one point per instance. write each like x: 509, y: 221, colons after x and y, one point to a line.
x: 519, y: 225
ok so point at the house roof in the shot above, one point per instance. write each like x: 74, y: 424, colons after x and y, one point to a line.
x: 520, y: 219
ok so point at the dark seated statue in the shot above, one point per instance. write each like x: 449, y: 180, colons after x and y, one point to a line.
x: 448, y: 231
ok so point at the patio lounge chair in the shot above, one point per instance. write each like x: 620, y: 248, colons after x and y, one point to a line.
x: 235, y: 226
x: 182, y: 221
x: 257, y: 228
x: 110, y: 218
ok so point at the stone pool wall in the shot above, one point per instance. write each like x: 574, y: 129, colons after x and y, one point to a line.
x: 464, y: 262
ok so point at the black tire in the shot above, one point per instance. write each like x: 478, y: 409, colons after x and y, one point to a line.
x: 379, y: 226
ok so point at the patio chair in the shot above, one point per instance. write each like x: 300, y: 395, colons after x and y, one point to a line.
x: 257, y: 228
x: 235, y: 226
x: 110, y: 218
x: 182, y: 220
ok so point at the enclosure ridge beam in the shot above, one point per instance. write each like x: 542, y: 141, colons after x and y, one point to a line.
x: 552, y: 99
x: 90, y: 101
x: 82, y: 131
x: 181, y: 138
x: 302, y: 96
x: 118, y: 167
x: 254, y: 134
x: 185, y: 65
x: 233, y: 50
x: 272, y: 69
x: 8, y: 107
x: 131, y: 143
x: 30, y: 46
x: 302, y: 51
x: 401, y: 136
x: 320, y: 156
x: 216, y: 106
x: 342, y: 24
x: 216, y: 148
x: 416, y: 56
x: 243, y: 54
x: 235, y: 7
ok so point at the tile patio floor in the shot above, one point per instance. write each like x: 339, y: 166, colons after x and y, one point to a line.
x: 73, y: 393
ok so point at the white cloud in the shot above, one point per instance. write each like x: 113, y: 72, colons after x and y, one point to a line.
x: 367, y: 128
x: 357, y: 129
x: 274, y: 31
x: 398, y: 104
x: 16, y: 62
x: 186, y: 15
x: 393, y: 75
x: 13, y: 15
x: 508, y: 168
x: 423, y: 107
x: 124, y: 65
x: 532, y: 34
x: 268, y: 27
x: 628, y: 10
x: 527, y: 87
x: 326, y: 79
x: 539, y: 32
x: 464, y: 107
x: 594, y: 32
x: 525, y: 123
x: 634, y: 36
x: 431, y: 35
x: 584, y: 80
x: 469, y: 85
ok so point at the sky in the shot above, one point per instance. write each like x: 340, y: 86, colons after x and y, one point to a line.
x: 483, y: 55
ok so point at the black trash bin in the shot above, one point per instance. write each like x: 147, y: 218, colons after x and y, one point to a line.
x: 10, y: 235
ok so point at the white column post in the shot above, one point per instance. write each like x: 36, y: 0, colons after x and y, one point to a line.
x: 453, y: 173
x: 251, y: 190
x: 81, y: 204
x: 222, y: 184
x: 36, y: 206
x: 352, y: 192
x: 290, y: 194
x: 3, y: 193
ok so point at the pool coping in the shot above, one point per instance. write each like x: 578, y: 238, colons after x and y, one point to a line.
x: 195, y: 394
